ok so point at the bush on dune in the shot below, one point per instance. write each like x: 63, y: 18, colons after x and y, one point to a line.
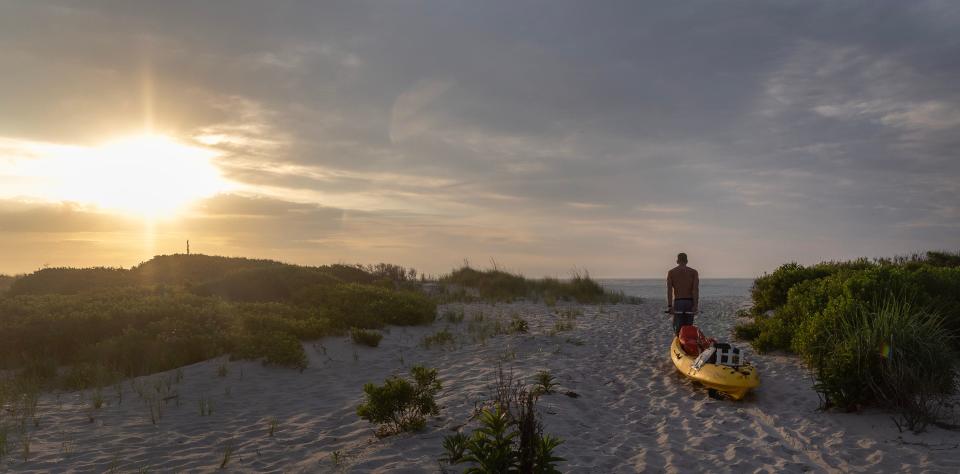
x: 365, y: 337
x: 399, y: 404
x: 879, y: 332
x: 130, y: 332
x: 274, y: 283
x: 368, y: 306
x: 80, y: 327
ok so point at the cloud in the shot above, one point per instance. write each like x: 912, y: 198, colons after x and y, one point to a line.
x: 519, y: 130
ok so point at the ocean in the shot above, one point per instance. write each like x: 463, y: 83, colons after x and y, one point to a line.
x: 656, y: 288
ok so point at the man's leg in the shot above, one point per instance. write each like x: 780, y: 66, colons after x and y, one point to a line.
x: 680, y: 320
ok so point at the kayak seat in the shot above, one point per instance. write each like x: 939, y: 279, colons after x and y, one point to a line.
x: 693, y: 341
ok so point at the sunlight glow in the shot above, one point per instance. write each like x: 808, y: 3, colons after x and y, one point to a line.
x: 148, y: 176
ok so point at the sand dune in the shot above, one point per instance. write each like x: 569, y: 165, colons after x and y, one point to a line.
x: 634, y: 412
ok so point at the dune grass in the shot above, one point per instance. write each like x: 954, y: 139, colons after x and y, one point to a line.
x: 81, y: 328
x: 469, y: 284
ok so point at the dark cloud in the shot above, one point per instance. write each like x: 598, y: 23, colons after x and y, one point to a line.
x: 808, y: 129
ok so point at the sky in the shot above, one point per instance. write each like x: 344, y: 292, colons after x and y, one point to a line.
x: 539, y: 136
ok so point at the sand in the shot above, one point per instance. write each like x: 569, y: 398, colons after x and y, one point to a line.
x: 634, y: 412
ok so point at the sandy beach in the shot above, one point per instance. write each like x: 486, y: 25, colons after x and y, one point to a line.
x: 634, y: 412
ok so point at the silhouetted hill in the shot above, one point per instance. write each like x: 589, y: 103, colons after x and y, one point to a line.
x: 67, y: 281
x: 180, y: 269
x: 233, y: 278
x: 5, y: 282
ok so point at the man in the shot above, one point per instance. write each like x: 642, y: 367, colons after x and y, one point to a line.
x: 683, y: 293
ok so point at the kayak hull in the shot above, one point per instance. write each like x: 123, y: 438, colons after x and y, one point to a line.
x: 735, y: 382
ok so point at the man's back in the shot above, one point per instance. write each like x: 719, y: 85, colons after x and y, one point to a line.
x: 684, y: 281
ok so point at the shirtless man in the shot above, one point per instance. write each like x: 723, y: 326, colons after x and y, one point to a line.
x: 683, y: 293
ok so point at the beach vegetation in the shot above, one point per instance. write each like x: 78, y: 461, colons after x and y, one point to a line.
x: 545, y: 382
x: 365, y: 337
x: 72, y: 328
x: 400, y: 404
x: 206, y: 406
x: 518, y: 325
x: 5, y: 282
x: 438, y: 339
x: 874, y: 332
x: 510, y: 436
x: 453, y: 316
x: 228, y: 450
x: 466, y: 284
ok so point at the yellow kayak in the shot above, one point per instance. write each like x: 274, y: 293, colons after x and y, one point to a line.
x: 735, y: 382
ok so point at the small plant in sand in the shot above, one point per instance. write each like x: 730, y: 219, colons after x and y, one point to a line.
x: 518, y: 325
x: 365, y: 337
x: 574, y: 341
x: 510, y: 437
x: 545, y: 382
x: 4, y: 442
x: 399, y: 405
x: 453, y: 316
x: 97, y: 400
x: 438, y: 339
x: 25, y: 438
x: 498, y: 446
x: 155, y: 407
x: 228, y: 450
x: 272, y: 427
x: 336, y: 457
x: 206, y: 406
x: 222, y: 370
x: 564, y: 325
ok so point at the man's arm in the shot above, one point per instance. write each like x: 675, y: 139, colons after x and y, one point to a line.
x: 669, y: 291
x: 696, y: 291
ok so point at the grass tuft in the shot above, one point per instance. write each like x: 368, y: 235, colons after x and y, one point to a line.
x: 365, y: 337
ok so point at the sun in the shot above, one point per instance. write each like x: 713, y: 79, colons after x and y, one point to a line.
x: 144, y: 175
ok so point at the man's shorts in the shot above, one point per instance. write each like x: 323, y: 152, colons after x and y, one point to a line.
x: 680, y: 320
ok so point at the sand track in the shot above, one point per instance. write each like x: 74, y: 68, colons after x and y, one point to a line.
x: 634, y: 413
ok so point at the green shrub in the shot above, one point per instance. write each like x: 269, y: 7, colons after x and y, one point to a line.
x: 275, y: 348
x: 270, y: 283
x: 176, y: 310
x: 837, y: 315
x: 86, y: 375
x: 399, y: 405
x: 845, y: 351
x: 365, y: 337
x: 438, y: 339
x: 747, y: 331
x: 369, y: 307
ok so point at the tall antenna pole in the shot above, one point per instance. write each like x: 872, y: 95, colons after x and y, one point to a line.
x: 188, y: 247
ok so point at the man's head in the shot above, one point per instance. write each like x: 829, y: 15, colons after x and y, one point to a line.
x: 682, y: 258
